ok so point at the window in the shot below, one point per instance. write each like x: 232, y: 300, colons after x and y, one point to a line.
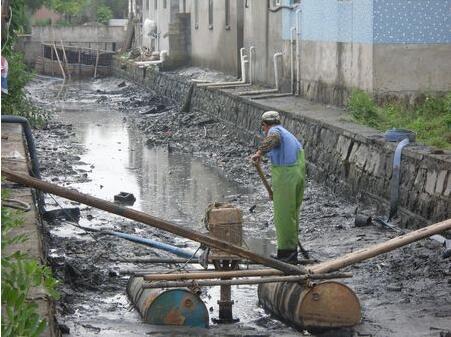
x: 210, y: 14
x: 165, y: 3
x: 155, y: 4
x: 227, y: 14
x: 196, y: 14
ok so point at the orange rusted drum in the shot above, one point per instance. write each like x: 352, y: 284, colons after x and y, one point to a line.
x: 167, y: 306
x: 325, y: 305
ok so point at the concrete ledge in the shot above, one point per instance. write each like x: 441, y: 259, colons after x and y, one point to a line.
x: 15, y: 157
x: 351, y: 159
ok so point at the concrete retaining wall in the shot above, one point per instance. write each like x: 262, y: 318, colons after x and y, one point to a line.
x: 348, y: 162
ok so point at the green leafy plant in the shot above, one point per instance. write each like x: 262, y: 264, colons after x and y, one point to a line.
x: 431, y: 120
x: 19, y: 274
x: 104, y: 14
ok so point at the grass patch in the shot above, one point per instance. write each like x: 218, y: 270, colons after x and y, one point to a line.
x: 431, y: 121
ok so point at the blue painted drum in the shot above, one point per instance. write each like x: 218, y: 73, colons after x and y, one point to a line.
x: 178, y: 307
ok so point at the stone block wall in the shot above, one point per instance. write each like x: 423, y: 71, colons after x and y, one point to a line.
x: 349, y: 163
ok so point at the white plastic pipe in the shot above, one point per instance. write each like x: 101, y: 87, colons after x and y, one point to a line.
x: 251, y: 72
x: 276, y: 78
x: 298, y: 55
x: 292, y: 37
x: 243, y: 73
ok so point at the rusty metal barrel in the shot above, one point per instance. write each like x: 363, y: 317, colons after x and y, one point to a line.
x: 325, y: 305
x: 167, y: 306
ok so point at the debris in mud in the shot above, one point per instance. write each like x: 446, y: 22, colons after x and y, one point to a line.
x: 70, y: 214
x: 125, y: 198
x: 122, y: 84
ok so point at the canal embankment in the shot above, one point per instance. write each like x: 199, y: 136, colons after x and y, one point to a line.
x: 352, y: 160
x: 15, y: 157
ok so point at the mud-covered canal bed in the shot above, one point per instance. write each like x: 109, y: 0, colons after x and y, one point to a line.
x: 108, y: 136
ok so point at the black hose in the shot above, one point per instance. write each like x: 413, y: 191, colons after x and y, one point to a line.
x: 35, y: 168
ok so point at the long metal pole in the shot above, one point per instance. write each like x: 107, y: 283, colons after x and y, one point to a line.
x: 206, y: 283
x: 380, y: 248
x: 151, y: 221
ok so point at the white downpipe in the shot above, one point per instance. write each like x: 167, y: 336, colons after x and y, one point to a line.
x: 243, y: 80
x: 252, y: 58
x: 276, y: 78
x: 293, y: 31
x: 298, y: 54
x: 251, y: 72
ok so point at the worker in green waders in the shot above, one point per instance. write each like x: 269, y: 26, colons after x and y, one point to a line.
x: 288, y: 176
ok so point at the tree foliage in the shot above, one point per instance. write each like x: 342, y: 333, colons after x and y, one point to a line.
x: 104, y: 14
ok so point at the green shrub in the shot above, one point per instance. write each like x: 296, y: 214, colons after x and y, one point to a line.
x: 16, y: 102
x: 42, y: 22
x: 431, y: 121
x: 19, y: 273
x: 104, y: 14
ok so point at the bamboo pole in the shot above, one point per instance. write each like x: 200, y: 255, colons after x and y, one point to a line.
x: 380, y: 248
x: 212, y: 274
x: 157, y: 260
x: 150, y: 220
x: 53, y: 71
x: 65, y: 59
x: 59, y: 61
x: 97, y: 62
x: 209, y: 283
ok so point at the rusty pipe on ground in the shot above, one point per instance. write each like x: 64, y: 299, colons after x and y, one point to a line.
x: 151, y: 221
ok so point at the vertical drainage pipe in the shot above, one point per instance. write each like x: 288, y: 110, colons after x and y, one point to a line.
x: 251, y: 72
x: 298, y: 55
x: 293, y: 30
x: 243, y: 80
x: 276, y: 79
x: 396, y: 175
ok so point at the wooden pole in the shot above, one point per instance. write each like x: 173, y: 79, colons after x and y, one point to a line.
x: 151, y: 221
x: 65, y: 59
x: 53, y: 72
x: 212, y: 274
x: 380, y: 248
x: 207, y: 283
x: 156, y: 260
x: 263, y: 178
x: 97, y: 62
x: 59, y: 61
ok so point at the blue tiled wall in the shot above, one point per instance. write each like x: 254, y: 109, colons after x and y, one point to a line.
x: 412, y: 21
x: 372, y: 21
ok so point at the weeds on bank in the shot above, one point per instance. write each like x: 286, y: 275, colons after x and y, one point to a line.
x: 16, y: 102
x: 19, y: 274
x: 431, y: 121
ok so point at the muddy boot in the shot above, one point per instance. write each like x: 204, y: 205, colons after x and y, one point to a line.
x: 287, y: 255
